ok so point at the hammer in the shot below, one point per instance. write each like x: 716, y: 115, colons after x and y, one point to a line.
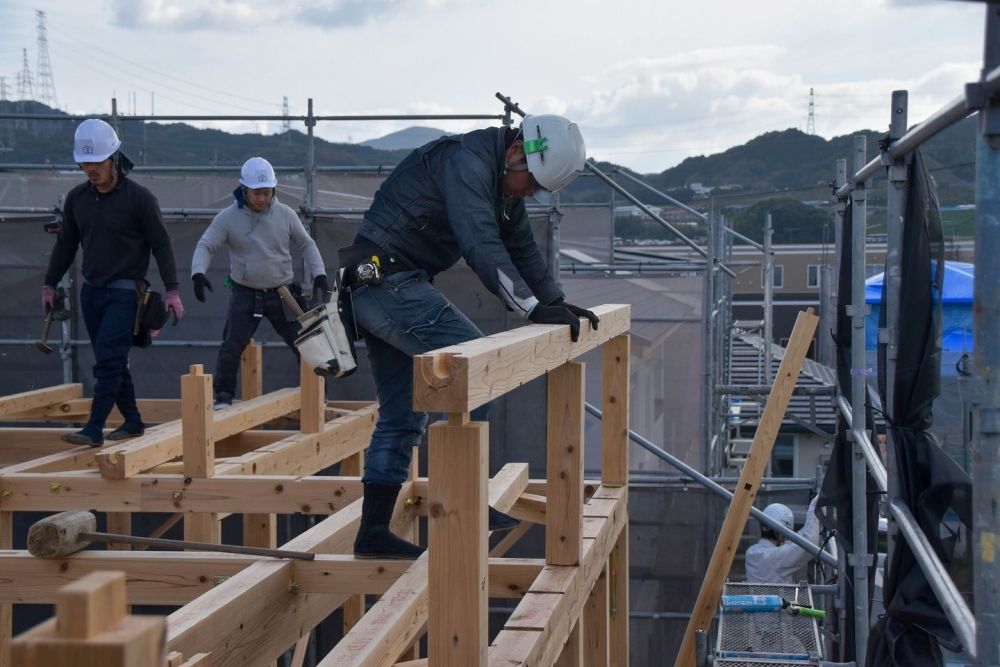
x: 66, y: 533
x: 42, y: 344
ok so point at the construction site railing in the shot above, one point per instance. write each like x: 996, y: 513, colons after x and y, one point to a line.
x: 978, y: 639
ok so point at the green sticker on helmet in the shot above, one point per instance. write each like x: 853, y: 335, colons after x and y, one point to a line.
x: 535, y: 145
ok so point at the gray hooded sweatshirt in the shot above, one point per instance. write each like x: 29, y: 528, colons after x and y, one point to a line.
x: 260, y: 245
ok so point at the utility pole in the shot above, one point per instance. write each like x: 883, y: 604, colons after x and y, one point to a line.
x: 46, y: 84
x: 3, y: 89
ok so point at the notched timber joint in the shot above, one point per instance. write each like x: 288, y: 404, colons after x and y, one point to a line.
x: 437, y: 371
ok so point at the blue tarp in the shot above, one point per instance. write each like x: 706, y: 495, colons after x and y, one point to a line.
x: 956, y: 312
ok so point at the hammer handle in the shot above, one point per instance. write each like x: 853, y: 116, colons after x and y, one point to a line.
x: 196, y: 546
x: 47, y: 325
x: 289, y: 300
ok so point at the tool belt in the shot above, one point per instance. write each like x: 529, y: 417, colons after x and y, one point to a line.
x: 365, y: 263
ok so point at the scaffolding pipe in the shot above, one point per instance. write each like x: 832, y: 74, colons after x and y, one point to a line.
x: 986, y: 359
x: 768, y: 297
x: 721, y: 491
x: 896, y: 189
x: 946, y: 116
x: 174, y: 118
x: 959, y: 615
x: 765, y: 389
x: 592, y: 166
x: 859, y: 559
x: 874, y: 461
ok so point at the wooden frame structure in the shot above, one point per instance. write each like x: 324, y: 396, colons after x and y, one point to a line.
x: 203, y: 465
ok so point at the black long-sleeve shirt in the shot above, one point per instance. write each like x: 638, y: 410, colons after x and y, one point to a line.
x: 118, y: 230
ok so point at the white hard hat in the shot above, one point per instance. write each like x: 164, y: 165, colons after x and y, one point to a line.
x: 781, y: 514
x: 555, y: 150
x: 95, y: 141
x: 258, y: 173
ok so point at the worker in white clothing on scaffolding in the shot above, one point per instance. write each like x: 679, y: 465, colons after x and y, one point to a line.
x: 774, y: 560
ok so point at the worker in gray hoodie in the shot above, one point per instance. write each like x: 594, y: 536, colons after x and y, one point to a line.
x: 261, y: 233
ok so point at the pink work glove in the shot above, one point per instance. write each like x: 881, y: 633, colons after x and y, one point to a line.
x: 172, y: 300
x: 48, y: 298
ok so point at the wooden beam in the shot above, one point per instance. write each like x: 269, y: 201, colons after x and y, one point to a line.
x: 746, y: 490
x: 153, y: 577
x: 541, y: 624
x: 462, y: 377
x: 618, y: 596
x: 572, y: 653
x: 13, y: 404
x: 564, y: 465
x: 257, y: 614
x: 165, y: 442
x: 458, y: 627
x: 596, y: 651
x: 280, y: 494
x: 615, y: 410
x: 153, y: 410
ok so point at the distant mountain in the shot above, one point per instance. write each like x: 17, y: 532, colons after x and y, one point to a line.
x: 788, y: 162
x: 174, y: 143
x: 791, y: 161
x: 406, y: 139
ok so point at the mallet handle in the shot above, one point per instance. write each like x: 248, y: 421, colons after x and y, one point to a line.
x: 196, y: 546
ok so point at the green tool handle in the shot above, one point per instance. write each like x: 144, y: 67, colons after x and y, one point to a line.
x: 809, y: 611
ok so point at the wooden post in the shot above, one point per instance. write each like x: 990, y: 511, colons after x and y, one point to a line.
x: 259, y: 530
x: 618, y: 583
x: 412, y: 533
x: 615, y: 408
x: 197, y: 423
x: 251, y: 371
x: 91, y: 629
x: 572, y: 652
x: 313, y: 412
x: 564, y: 466
x: 457, y: 624
x: 6, y: 609
x: 595, y: 624
x: 354, y: 607
x: 746, y: 490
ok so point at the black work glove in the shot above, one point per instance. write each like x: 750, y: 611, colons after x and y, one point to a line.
x: 557, y: 313
x: 579, y: 312
x: 200, y: 285
x: 321, y: 289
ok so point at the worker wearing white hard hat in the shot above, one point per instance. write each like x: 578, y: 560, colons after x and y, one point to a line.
x: 774, y: 560
x: 458, y: 197
x: 261, y: 233
x: 118, y: 224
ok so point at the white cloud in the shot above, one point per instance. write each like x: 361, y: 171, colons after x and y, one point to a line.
x: 190, y: 14
x: 352, y: 13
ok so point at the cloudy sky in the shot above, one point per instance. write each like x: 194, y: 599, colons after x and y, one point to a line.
x: 651, y: 82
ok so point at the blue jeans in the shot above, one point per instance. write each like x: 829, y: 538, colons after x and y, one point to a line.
x: 240, y: 327
x: 109, y: 314
x: 402, y: 317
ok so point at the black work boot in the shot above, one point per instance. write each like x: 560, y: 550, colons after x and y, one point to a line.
x: 374, y: 539
x: 499, y: 522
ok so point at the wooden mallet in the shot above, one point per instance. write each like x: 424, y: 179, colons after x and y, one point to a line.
x: 66, y: 533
